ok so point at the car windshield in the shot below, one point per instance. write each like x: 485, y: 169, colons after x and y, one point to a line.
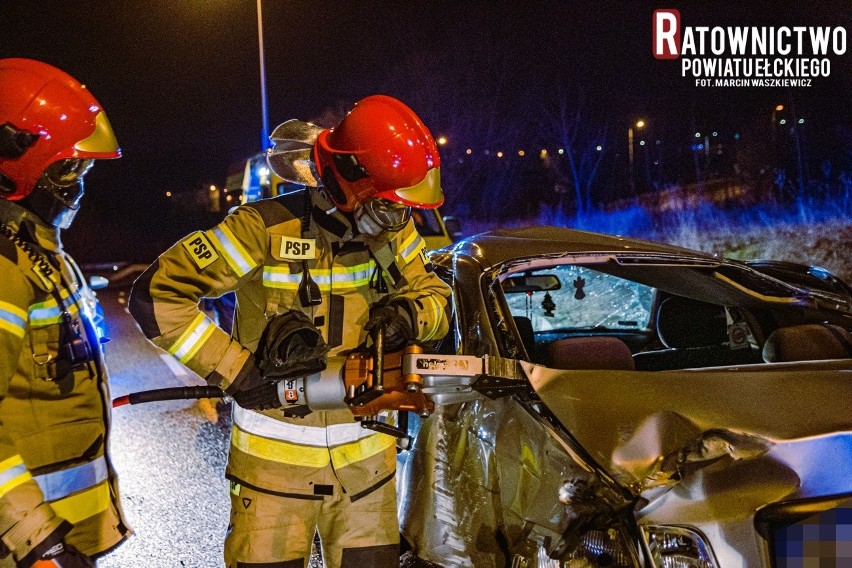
x: 582, y: 299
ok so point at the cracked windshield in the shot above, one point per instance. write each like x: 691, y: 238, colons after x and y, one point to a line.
x: 567, y: 297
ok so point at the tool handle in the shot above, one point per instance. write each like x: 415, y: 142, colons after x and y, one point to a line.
x: 379, y: 357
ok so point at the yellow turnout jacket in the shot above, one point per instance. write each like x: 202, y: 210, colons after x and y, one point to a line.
x: 260, y: 251
x: 54, y: 417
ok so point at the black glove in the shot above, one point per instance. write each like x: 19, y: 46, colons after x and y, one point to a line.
x: 263, y: 397
x: 249, y: 377
x: 291, y: 346
x: 396, y: 320
x: 53, y: 552
x: 251, y: 390
x: 64, y: 557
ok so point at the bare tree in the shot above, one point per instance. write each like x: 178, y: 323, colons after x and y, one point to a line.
x: 584, y: 144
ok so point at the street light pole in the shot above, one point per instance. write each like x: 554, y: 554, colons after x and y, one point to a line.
x: 639, y: 124
x: 773, y: 135
x: 630, y: 160
x: 264, y: 135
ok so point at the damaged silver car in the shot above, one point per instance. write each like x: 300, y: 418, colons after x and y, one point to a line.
x: 603, y: 401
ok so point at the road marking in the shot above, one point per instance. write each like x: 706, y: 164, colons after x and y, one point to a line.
x: 176, y: 368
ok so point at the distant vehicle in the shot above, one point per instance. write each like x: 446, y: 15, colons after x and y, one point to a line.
x: 252, y: 179
x: 603, y: 401
x: 115, y: 275
x: 433, y: 228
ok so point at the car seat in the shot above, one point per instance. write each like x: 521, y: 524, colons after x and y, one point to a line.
x: 593, y: 352
x: 810, y: 342
x: 696, y: 335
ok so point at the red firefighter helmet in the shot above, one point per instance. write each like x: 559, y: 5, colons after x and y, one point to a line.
x: 382, y: 150
x: 46, y: 117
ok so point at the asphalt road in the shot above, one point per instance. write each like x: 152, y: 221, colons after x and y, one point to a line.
x: 170, y: 456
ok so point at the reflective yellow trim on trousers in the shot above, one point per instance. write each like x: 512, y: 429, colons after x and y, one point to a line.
x: 83, y: 505
x: 278, y: 451
x: 361, y: 450
x: 308, y: 456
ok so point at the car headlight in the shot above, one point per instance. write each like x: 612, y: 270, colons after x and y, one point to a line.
x: 678, y: 547
x: 609, y: 548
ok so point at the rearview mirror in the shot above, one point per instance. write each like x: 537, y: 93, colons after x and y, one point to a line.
x: 529, y: 283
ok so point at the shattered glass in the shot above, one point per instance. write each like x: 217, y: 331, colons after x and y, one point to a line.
x: 586, y: 299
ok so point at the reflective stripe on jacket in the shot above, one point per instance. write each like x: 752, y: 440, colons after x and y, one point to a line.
x: 259, y: 251
x: 299, y: 445
x: 13, y: 472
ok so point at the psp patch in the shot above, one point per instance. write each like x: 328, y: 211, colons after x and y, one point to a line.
x: 200, y: 249
x: 292, y: 248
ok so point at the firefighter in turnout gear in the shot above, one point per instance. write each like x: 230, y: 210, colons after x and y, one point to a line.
x: 58, y: 491
x: 343, y: 260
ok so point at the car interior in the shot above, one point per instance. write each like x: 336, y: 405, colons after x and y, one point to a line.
x: 569, y: 317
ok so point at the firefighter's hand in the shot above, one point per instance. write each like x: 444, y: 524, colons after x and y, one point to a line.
x: 397, y: 324
x: 263, y: 397
x: 61, y: 555
x: 249, y: 377
x: 291, y: 346
x: 251, y: 390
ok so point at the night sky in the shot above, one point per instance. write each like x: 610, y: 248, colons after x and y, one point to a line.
x: 179, y: 79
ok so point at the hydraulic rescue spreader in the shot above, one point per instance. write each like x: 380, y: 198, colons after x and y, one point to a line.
x: 368, y: 382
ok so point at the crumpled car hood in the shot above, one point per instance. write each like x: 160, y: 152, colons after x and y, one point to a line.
x: 651, y: 429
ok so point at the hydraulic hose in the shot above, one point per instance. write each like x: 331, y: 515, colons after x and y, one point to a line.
x: 171, y: 393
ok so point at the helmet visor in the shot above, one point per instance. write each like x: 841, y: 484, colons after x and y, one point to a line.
x: 68, y: 196
x: 68, y: 172
x: 387, y: 214
x: 56, y: 205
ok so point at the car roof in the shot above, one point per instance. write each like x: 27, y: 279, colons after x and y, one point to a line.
x: 698, y: 275
x: 504, y: 245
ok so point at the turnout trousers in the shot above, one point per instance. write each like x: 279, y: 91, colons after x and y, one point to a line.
x: 355, y: 534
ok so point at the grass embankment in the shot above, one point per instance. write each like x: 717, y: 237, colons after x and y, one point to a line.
x: 808, y: 232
